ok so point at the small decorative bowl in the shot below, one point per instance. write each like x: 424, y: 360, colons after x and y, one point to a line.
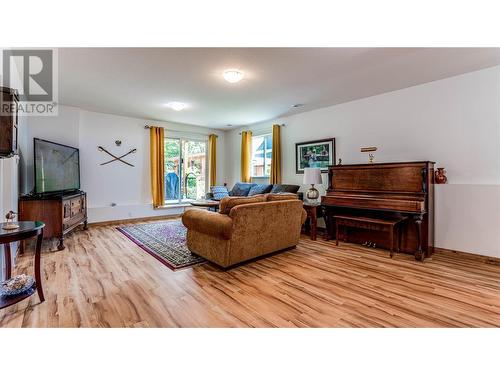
x: 16, y: 285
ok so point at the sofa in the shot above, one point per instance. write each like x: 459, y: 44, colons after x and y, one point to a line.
x: 245, y: 228
x: 244, y: 189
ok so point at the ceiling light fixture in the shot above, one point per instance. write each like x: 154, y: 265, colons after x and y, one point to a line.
x: 177, y: 106
x: 233, y: 75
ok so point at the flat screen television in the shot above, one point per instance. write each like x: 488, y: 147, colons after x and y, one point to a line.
x: 57, y: 167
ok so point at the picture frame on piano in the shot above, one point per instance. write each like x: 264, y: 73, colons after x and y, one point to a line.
x: 315, y: 154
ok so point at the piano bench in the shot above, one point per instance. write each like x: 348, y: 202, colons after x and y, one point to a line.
x: 391, y: 226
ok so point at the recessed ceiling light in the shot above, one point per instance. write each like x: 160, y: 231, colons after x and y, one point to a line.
x: 297, y: 105
x: 229, y: 125
x: 177, y: 106
x: 233, y: 75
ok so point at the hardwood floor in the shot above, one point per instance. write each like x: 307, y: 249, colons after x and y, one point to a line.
x: 102, y: 279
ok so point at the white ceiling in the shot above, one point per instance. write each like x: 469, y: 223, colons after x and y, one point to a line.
x: 138, y: 82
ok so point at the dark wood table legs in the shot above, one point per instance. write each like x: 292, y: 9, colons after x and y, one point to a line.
x: 313, y: 212
x: 38, y: 252
x: 313, y: 225
x: 38, y: 255
x: 8, y: 261
x: 26, y: 230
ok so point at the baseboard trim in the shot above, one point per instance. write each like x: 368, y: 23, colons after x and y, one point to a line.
x: 463, y: 254
x: 133, y: 220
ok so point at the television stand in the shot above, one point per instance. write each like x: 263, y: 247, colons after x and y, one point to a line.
x: 61, y: 213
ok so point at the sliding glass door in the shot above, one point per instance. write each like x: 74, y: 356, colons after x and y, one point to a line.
x: 172, y: 170
x: 194, y: 167
x: 185, y: 170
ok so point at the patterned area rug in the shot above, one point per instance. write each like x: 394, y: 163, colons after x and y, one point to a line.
x: 166, y: 241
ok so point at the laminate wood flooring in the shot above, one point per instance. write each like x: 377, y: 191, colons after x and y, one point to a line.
x: 102, y: 279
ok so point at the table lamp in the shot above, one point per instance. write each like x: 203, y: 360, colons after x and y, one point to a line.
x: 312, y: 176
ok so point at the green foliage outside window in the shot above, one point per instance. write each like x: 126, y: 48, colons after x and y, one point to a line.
x: 193, y: 174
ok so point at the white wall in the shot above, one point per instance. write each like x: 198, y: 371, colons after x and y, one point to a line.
x: 10, y: 177
x: 9, y: 191
x: 128, y: 187
x: 62, y: 128
x: 454, y: 122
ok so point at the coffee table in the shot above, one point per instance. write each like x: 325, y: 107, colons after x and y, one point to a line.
x: 207, y: 203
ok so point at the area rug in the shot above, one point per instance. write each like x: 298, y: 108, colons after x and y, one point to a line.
x: 165, y: 240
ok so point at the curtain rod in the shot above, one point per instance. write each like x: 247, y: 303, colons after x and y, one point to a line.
x: 282, y: 125
x: 181, y: 131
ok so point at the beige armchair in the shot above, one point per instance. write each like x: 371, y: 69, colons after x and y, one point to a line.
x: 250, y: 229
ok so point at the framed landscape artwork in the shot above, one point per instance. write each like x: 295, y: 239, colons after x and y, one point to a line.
x: 315, y: 154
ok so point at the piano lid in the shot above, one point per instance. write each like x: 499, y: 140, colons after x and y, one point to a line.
x: 381, y: 178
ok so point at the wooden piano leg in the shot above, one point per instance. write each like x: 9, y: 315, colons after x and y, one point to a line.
x: 419, y: 254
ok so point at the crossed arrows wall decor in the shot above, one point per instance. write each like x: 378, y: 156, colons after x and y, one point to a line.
x: 115, y: 158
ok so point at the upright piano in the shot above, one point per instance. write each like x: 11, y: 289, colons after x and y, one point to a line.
x: 385, y: 190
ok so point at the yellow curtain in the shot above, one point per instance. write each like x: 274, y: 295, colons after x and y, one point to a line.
x: 275, y: 177
x: 157, y: 149
x: 212, y: 161
x: 246, y: 150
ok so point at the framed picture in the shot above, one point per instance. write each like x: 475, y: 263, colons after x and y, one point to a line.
x: 315, y: 154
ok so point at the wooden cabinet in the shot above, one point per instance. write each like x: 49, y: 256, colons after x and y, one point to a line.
x: 9, y: 100
x: 61, y: 214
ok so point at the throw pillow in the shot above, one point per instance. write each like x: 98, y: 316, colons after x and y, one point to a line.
x: 229, y: 202
x: 219, y: 192
x: 241, y: 189
x: 285, y: 189
x: 260, y: 189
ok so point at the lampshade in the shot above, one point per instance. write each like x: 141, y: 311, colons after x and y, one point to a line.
x: 312, y: 176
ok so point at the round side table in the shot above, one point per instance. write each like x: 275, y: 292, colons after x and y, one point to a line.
x: 27, y: 229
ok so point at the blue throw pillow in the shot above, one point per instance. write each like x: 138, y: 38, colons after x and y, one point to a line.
x: 219, y: 192
x: 241, y: 189
x: 260, y: 189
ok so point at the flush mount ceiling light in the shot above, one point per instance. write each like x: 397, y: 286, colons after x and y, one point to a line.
x: 233, y: 75
x: 177, y: 106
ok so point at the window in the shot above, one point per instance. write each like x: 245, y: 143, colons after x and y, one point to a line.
x: 185, y: 170
x: 262, y: 150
